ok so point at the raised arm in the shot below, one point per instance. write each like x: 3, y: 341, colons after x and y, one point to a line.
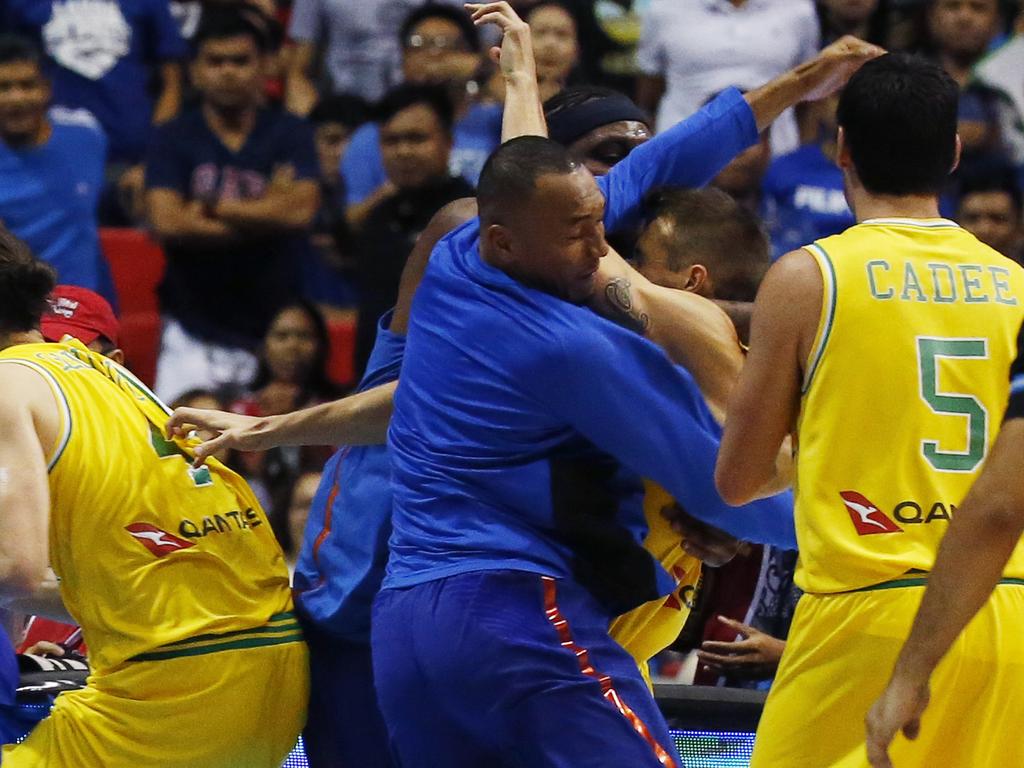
x: 692, y: 152
x: 523, y: 114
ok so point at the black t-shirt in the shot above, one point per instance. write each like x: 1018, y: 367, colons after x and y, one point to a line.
x: 387, y: 238
x: 228, y: 294
x: 1015, y: 410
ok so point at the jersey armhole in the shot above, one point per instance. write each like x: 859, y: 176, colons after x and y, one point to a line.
x: 828, y: 313
x: 63, y: 411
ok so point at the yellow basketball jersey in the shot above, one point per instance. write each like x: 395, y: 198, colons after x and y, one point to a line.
x: 148, y: 550
x: 903, y: 395
x: 651, y: 628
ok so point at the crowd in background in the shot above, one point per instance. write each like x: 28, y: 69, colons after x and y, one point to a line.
x: 286, y: 155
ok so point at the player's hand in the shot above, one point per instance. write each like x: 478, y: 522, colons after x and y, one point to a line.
x: 217, y: 431
x: 515, y: 56
x: 756, y: 656
x: 836, y: 63
x: 899, y: 709
x: 700, y: 540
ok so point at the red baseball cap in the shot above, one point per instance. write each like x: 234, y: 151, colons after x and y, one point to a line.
x: 79, y: 312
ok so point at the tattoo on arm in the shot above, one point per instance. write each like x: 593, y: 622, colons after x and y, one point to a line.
x: 619, y: 295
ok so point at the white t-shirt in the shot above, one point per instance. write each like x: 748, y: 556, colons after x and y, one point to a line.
x: 701, y: 47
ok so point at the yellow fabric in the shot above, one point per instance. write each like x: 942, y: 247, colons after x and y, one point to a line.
x: 112, y: 468
x: 651, y: 628
x: 917, y: 332
x: 235, y: 709
x: 840, y: 654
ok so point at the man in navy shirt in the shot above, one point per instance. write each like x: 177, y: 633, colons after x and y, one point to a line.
x: 51, y: 169
x: 232, y: 188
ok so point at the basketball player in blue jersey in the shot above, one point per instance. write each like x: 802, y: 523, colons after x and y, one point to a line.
x: 354, y: 498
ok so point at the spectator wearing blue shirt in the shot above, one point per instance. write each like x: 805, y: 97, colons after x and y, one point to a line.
x: 803, y: 192
x: 440, y: 46
x: 232, y: 189
x: 51, y: 171
x: 103, y: 51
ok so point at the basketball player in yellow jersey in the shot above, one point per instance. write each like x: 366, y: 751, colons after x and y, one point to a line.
x: 885, y: 350
x: 172, y: 572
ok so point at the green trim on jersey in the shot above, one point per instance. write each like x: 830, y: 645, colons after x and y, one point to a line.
x: 829, y: 295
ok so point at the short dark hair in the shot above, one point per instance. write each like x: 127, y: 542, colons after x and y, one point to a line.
x: 345, y: 108
x: 15, y: 48
x: 899, y: 116
x: 222, y: 22
x: 437, y: 11
x: 408, y: 95
x: 996, y: 179
x: 25, y: 285
x: 510, y: 174
x: 711, y: 228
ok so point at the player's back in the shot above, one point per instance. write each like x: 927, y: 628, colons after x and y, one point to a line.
x: 150, y: 551
x: 902, y: 397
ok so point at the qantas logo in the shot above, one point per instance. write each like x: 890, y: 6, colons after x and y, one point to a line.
x: 159, y: 542
x: 867, y: 518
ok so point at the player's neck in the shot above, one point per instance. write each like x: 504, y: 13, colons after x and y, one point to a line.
x: 867, y: 206
x: 20, y: 337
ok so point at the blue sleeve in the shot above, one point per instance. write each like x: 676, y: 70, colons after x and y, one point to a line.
x: 623, y: 394
x: 361, y: 165
x: 689, y: 154
x: 166, y: 168
x: 299, y: 150
x: 169, y: 44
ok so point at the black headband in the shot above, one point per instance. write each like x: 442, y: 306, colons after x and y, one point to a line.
x: 567, y: 125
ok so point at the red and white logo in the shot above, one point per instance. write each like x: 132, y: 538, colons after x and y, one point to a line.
x: 159, y: 542
x: 867, y: 518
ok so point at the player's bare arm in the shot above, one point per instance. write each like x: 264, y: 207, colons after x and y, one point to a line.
x: 765, y: 403
x: 822, y: 76
x: 28, y: 430
x: 970, y: 562
x: 692, y: 330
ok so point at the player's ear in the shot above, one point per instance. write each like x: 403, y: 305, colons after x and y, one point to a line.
x: 498, y: 243
x: 956, y: 154
x: 698, y: 281
x: 117, y: 355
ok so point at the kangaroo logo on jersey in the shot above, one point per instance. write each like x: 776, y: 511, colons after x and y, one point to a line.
x: 867, y: 518
x: 159, y: 542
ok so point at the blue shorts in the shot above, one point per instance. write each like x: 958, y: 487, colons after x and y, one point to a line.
x: 344, y: 727
x: 507, y: 668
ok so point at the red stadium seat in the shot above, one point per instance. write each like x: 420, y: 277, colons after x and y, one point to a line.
x: 137, y: 264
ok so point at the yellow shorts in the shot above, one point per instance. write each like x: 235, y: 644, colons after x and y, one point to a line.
x: 241, y: 708
x: 839, y: 657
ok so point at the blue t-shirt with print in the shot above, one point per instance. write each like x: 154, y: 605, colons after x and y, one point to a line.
x: 804, y: 200
x: 102, y: 51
